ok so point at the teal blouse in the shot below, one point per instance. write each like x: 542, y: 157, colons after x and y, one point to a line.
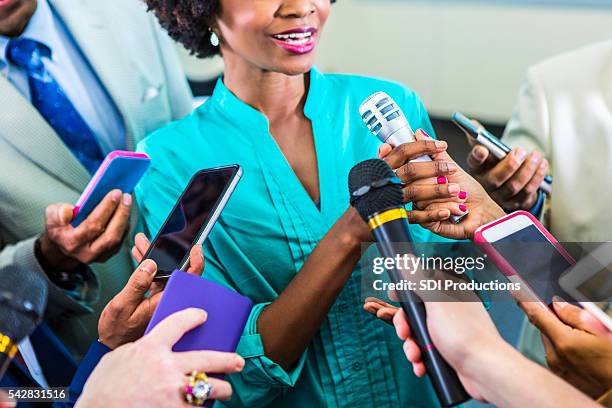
x: 271, y: 225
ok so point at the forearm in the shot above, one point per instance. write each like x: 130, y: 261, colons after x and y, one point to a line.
x: 508, y: 379
x: 288, y: 324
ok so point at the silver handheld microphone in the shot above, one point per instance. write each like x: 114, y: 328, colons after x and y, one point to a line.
x: 388, y: 123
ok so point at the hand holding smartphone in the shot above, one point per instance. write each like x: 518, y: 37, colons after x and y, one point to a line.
x: 526, y: 253
x: 496, y: 147
x: 192, y: 218
x: 120, y: 170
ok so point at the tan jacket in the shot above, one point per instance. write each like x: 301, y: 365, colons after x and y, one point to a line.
x: 136, y: 62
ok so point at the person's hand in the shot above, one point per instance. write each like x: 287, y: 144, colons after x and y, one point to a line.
x: 126, y: 316
x: 577, y: 350
x: 514, y: 181
x: 482, y: 209
x: 424, y: 181
x: 5, y: 401
x: 148, y: 373
x: 458, y: 330
x: 96, y: 239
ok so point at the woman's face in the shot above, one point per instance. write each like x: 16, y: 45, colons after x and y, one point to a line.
x: 273, y: 35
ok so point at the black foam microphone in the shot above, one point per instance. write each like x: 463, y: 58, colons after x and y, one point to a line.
x: 376, y: 193
x: 23, y: 298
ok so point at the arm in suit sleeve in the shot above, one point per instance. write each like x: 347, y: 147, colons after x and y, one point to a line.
x: 76, y: 301
x: 95, y: 353
x: 529, y: 126
x: 179, y: 93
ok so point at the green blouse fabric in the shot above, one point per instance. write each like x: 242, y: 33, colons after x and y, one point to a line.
x: 271, y: 225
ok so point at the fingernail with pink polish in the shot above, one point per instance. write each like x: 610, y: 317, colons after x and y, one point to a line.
x: 463, y: 195
x: 442, y: 180
x: 463, y: 208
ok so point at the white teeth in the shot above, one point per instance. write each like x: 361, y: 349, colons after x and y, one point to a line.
x: 296, y: 38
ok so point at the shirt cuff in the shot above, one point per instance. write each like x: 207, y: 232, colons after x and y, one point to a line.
x: 60, y: 300
x: 539, y: 205
x: 260, y: 369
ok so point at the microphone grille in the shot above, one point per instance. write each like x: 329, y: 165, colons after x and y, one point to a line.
x: 377, y: 199
x: 382, y: 115
x: 23, y: 298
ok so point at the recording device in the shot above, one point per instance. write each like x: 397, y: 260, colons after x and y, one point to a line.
x: 192, y: 218
x: 119, y: 170
x: 526, y: 253
x: 376, y: 193
x: 385, y: 119
x: 498, y: 149
x: 23, y: 298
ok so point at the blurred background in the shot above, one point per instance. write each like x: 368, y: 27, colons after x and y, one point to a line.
x: 459, y: 55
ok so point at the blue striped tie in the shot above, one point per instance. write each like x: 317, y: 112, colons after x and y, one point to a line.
x: 52, y: 103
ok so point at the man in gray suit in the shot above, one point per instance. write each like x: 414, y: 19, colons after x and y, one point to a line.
x: 77, y: 80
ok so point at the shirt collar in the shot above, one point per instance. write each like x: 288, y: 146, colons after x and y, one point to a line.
x: 41, y: 28
x: 231, y: 105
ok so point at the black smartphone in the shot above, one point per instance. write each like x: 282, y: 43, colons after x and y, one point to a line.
x: 192, y: 218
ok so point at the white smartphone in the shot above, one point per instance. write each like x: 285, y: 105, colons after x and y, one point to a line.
x: 525, y: 252
x: 590, y: 282
x: 192, y: 218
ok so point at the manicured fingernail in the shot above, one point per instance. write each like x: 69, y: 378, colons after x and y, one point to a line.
x: 441, y: 144
x: 148, y: 266
x: 454, y: 189
x: 463, y: 208
x: 116, y: 195
x: 424, y: 133
x: 559, y: 301
x: 463, y: 195
x: 442, y: 180
x: 521, y: 154
x: 127, y: 199
x: 239, y: 363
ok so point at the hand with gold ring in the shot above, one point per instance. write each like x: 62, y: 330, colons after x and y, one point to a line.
x: 148, y: 373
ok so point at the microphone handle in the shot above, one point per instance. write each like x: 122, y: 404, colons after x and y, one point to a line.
x: 446, y: 383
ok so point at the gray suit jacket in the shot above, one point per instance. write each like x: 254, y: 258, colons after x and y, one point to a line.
x: 137, y: 64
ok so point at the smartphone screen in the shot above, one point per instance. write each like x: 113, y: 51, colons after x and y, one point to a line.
x: 540, y: 265
x: 191, y: 218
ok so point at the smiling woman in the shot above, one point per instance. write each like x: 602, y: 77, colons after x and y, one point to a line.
x: 288, y: 239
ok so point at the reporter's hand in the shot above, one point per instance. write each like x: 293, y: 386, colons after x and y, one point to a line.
x: 576, y: 350
x: 126, y: 316
x: 96, y: 239
x: 148, y: 373
x: 482, y: 209
x: 424, y: 181
x: 513, y: 182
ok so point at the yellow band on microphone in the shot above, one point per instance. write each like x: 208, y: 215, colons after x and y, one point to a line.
x: 7, y: 346
x: 389, y: 215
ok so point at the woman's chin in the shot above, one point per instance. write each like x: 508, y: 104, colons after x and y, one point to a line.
x: 292, y: 68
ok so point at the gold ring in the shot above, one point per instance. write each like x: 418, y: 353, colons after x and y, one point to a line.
x: 198, y: 389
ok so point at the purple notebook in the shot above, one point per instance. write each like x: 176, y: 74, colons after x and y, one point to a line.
x: 227, y: 312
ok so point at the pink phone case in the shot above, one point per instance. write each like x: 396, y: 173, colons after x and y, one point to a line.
x: 101, y: 171
x: 503, y: 265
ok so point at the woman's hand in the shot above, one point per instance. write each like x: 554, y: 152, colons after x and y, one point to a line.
x: 424, y: 181
x: 125, y: 318
x: 148, y: 373
x: 482, y: 209
x: 577, y: 349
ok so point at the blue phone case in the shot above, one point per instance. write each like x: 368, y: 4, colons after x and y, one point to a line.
x: 119, y: 170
